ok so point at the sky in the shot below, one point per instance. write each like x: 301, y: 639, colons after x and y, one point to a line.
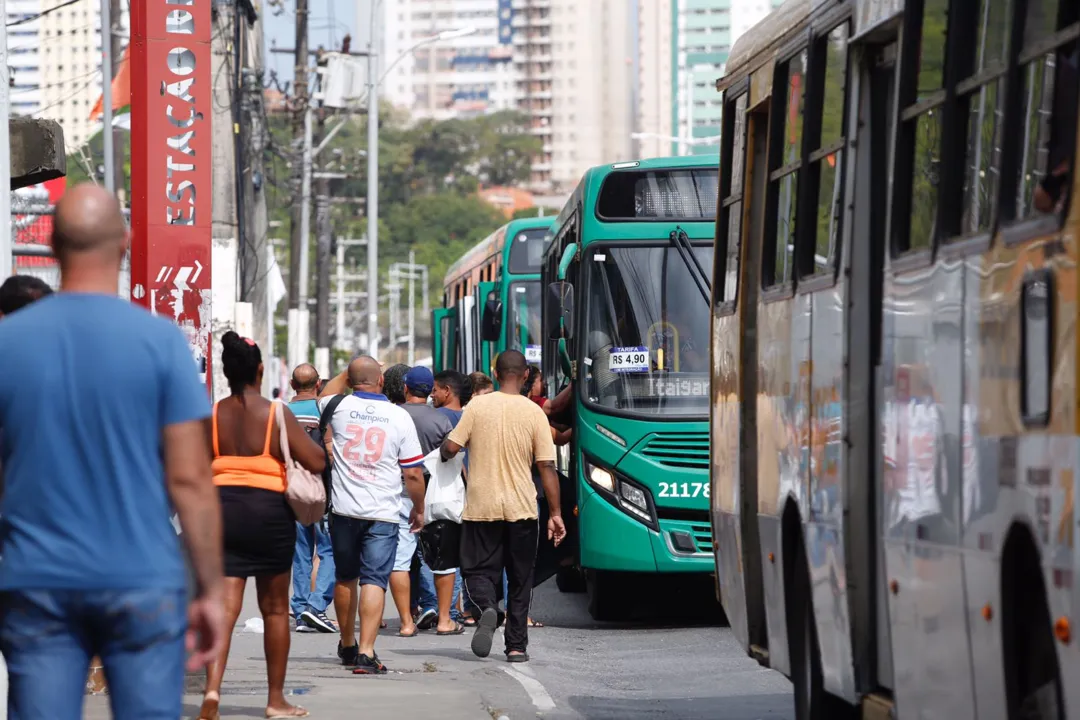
x: 329, y: 22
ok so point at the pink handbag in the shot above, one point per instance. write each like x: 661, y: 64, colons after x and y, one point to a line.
x: 303, y: 489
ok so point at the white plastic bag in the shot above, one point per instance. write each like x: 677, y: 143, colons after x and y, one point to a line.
x: 445, y: 498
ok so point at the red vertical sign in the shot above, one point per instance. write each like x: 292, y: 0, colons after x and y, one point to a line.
x: 170, y: 165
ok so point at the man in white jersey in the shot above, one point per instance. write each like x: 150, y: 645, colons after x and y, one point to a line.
x: 375, y: 450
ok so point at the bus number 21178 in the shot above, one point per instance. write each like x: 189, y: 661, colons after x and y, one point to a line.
x: 684, y: 490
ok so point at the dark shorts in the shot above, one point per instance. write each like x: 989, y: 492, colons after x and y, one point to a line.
x: 364, y: 550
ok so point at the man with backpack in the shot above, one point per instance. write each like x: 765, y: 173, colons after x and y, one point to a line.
x: 309, y: 606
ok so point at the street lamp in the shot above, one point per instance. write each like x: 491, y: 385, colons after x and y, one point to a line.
x: 373, y: 169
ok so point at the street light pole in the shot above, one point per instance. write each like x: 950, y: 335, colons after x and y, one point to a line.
x: 373, y: 192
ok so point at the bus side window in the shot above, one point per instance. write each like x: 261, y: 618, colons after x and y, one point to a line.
x: 785, y: 164
x: 1047, y: 96
x: 980, y: 104
x: 918, y: 148
x: 824, y: 175
x: 729, y: 220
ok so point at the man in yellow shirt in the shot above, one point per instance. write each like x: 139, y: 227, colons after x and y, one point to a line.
x: 506, y: 434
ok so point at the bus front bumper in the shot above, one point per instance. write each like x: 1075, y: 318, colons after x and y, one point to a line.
x: 612, y: 540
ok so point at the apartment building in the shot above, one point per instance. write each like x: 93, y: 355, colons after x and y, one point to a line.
x: 573, y: 67
x: 465, y: 76
x: 683, y: 48
x: 55, y: 62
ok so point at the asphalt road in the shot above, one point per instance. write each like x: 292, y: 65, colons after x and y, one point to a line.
x: 677, y: 662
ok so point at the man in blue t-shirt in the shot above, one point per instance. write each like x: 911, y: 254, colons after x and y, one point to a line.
x: 91, y: 562
x: 308, y: 606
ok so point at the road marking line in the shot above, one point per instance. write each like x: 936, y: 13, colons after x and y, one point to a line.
x: 536, y: 691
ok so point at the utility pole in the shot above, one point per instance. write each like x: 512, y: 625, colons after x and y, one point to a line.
x: 343, y: 338
x: 116, y: 45
x: 323, y: 248
x: 373, y: 188
x: 107, y: 70
x: 298, y: 224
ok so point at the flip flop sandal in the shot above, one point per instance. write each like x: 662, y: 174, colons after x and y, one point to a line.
x: 469, y: 622
x: 459, y: 629
x: 535, y: 624
x: 518, y: 658
x: 297, y: 712
x: 382, y: 625
x: 414, y: 633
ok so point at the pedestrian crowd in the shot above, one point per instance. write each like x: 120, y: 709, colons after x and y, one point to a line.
x: 429, y: 486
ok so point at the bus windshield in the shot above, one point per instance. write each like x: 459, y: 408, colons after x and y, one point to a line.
x: 647, y: 331
x: 527, y: 251
x: 524, y: 320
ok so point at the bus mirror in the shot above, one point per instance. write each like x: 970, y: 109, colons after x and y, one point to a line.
x: 559, y: 310
x: 492, y: 321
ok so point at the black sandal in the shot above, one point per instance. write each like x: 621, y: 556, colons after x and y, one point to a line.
x: 459, y: 629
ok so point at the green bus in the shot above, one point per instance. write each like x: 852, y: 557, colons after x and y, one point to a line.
x: 626, y: 325
x: 491, y: 300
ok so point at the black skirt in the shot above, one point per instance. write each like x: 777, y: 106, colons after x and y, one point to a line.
x: 260, y: 531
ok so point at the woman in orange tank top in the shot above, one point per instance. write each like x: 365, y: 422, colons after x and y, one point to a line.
x: 259, y: 526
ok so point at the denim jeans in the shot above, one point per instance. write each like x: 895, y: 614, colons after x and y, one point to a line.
x: 426, y: 596
x: 49, y: 636
x: 311, y: 541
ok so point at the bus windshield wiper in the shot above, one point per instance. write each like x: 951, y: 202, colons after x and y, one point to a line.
x: 681, y: 242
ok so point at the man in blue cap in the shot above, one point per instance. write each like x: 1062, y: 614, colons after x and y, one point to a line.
x: 432, y: 427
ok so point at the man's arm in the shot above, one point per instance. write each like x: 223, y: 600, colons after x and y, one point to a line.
x: 459, y: 436
x: 191, y: 489
x: 560, y: 437
x: 556, y: 528
x: 336, y: 386
x: 414, y: 485
x: 560, y: 402
x: 448, y: 449
x: 190, y: 485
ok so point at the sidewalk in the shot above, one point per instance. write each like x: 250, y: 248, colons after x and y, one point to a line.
x: 430, y: 676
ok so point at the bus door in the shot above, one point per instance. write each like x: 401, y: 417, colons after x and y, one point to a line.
x: 490, y: 314
x: 443, y: 337
x: 865, y: 258
x: 468, y: 342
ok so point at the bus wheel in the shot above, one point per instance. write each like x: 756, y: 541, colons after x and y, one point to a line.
x: 570, y: 579
x: 812, y: 702
x: 603, y: 593
x: 1032, y: 674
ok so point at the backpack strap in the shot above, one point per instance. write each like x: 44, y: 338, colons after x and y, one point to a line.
x: 328, y: 413
x: 324, y: 421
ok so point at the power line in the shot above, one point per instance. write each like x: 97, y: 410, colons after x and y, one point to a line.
x: 43, y: 13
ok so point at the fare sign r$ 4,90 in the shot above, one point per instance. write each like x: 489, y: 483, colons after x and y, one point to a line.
x: 171, y: 166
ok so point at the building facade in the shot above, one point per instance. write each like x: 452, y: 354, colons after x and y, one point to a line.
x: 684, y: 46
x: 55, y: 62
x: 465, y: 76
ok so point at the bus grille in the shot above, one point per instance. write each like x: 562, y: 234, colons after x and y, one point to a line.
x: 682, y: 450
x: 702, y: 535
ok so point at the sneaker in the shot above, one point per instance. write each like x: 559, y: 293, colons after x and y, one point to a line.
x: 301, y: 627
x: 427, y: 619
x: 318, y: 621
x: 369, y: 665
x: 485, y: 633
x: 349, y: 655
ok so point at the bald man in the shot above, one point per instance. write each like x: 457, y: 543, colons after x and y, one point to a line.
x: 309, y: 605
x: 376, y: 460
x: 92, y: 565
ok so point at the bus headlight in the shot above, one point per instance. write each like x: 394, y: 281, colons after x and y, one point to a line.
x: 600, y: 477
x: 634, y: 495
